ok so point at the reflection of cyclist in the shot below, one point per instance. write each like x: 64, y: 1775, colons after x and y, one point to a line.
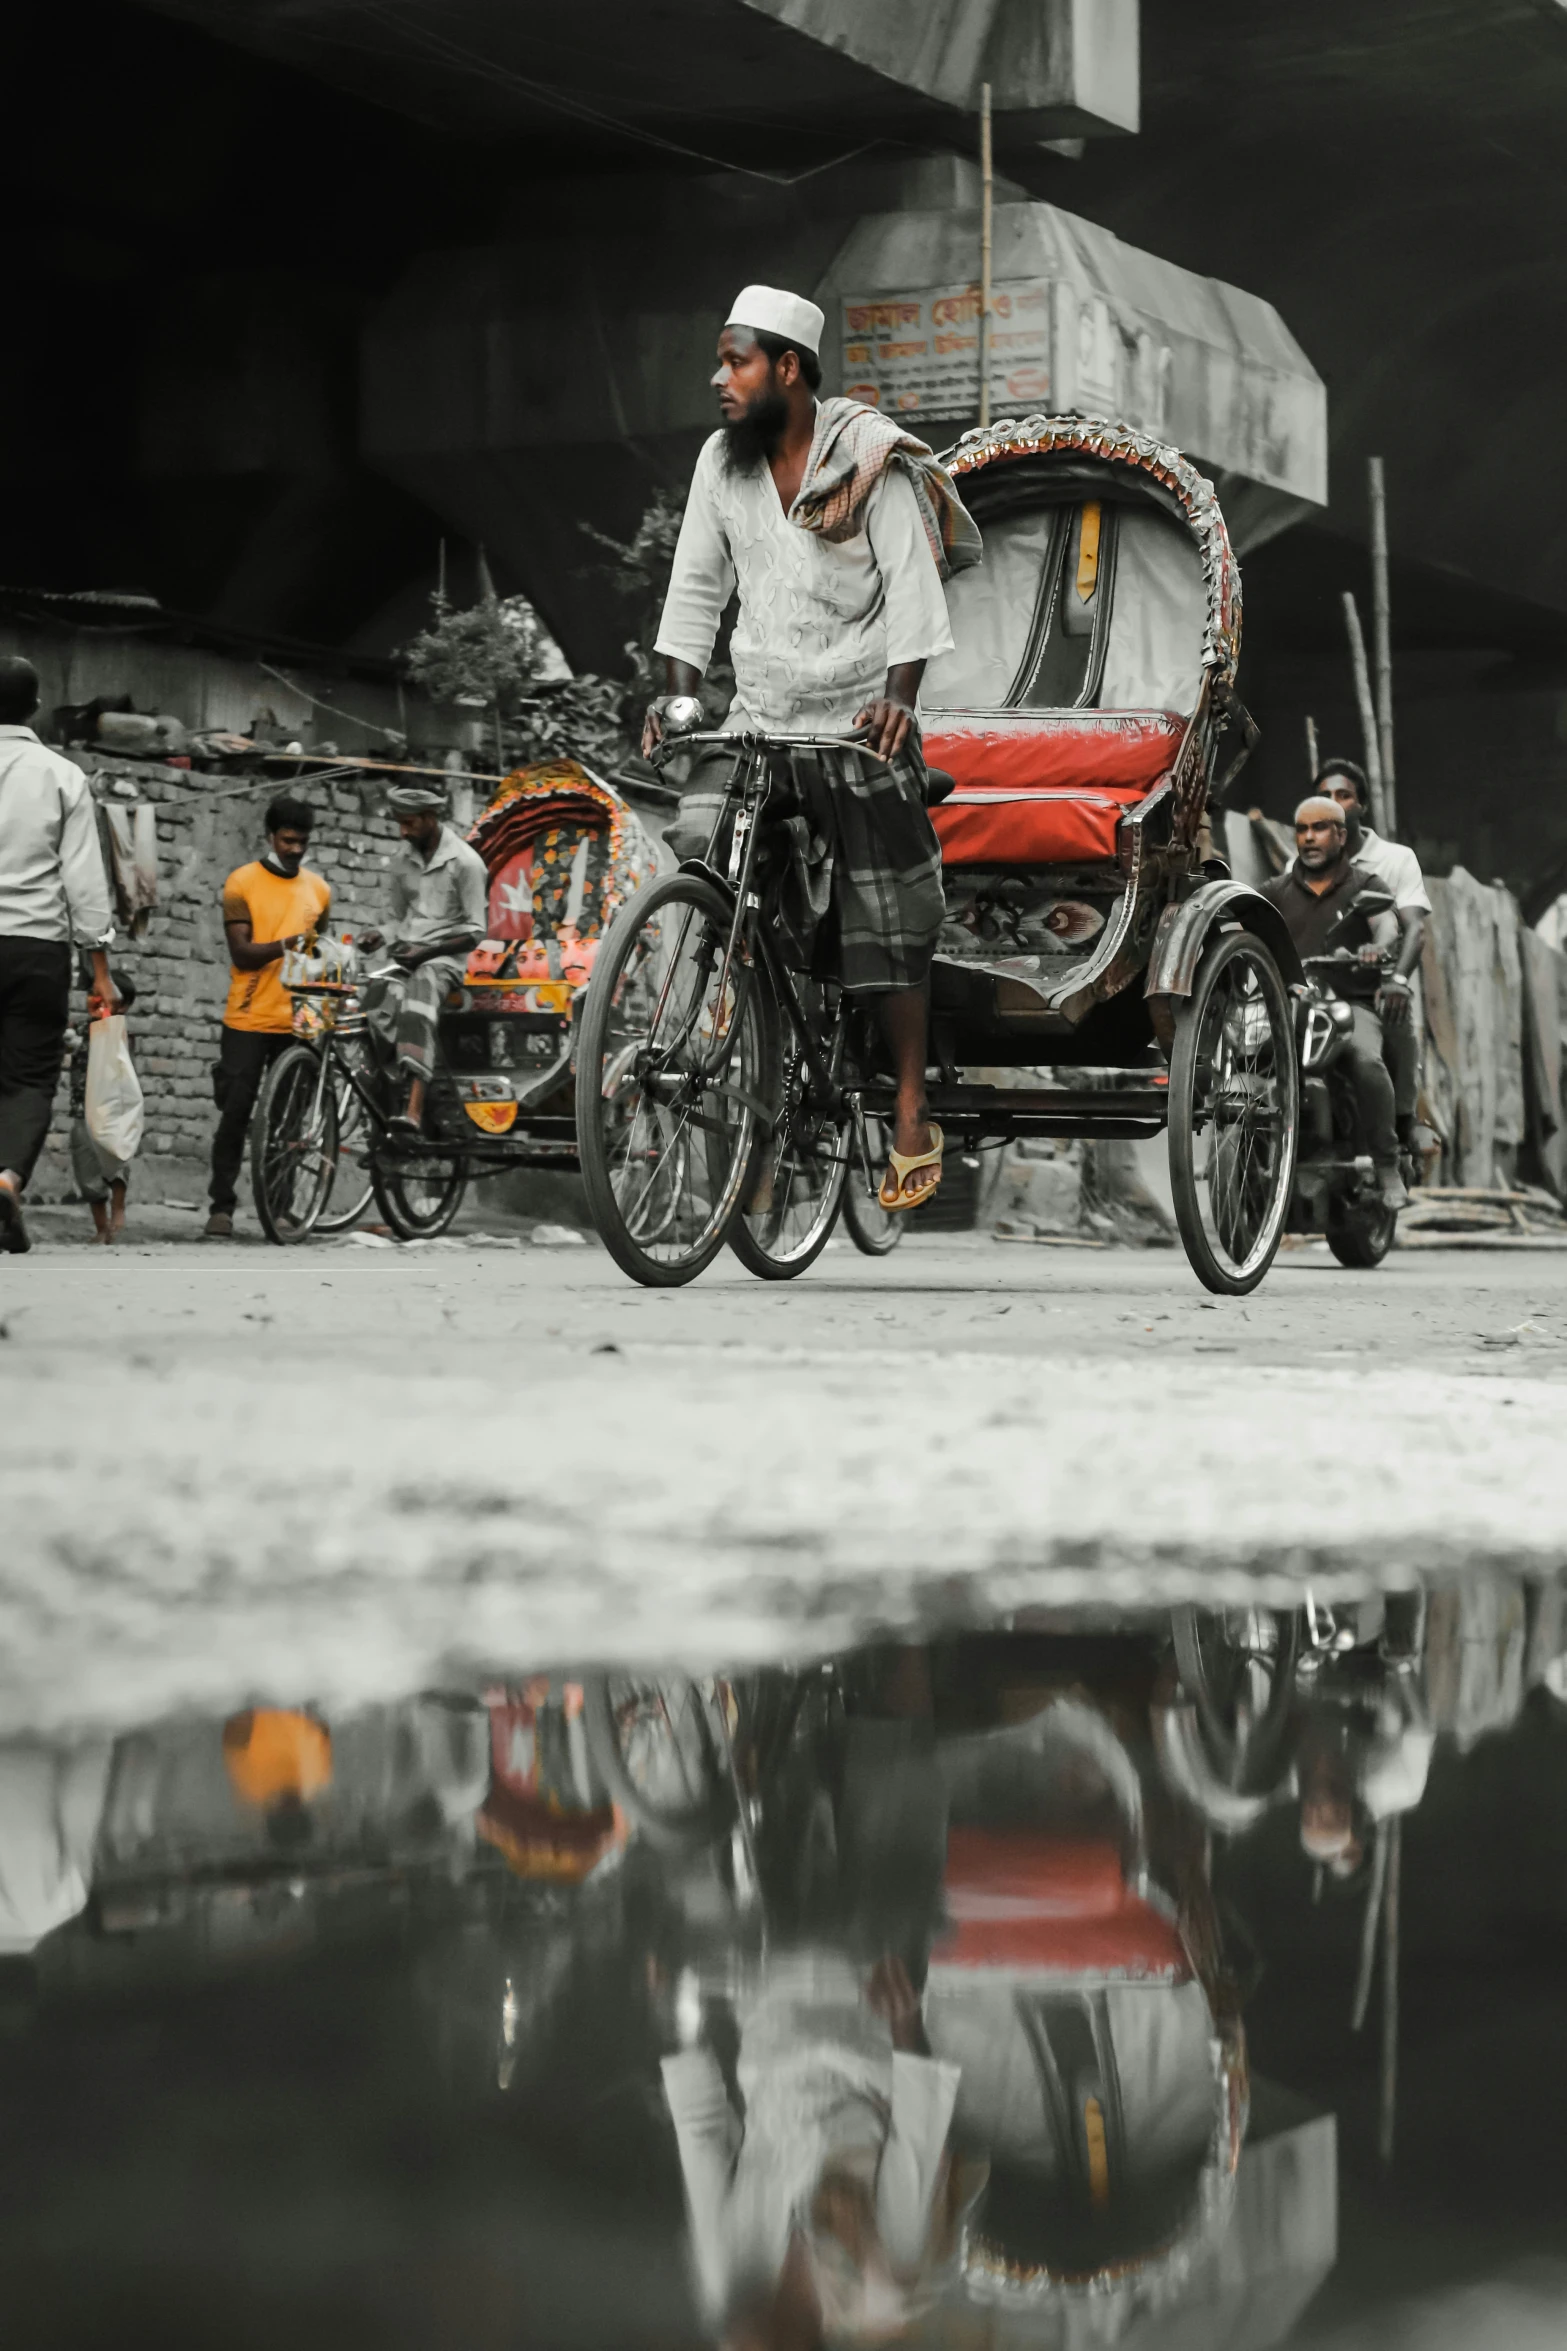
x: 836, y: 528
x: 813, y: 2198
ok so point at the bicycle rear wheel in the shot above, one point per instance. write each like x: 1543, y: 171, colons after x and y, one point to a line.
x: 873, y: 1232
x: 418, y: 1196
x: 675, y: 1078
x: 293, y: 1145
x: 791, y: 1208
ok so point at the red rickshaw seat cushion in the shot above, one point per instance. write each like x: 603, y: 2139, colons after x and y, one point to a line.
x: 1058, y: 1904
x: 1045, y: 788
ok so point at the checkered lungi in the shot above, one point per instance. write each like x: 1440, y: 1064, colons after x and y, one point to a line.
x: 883, y: 861
x: 402, y: 1009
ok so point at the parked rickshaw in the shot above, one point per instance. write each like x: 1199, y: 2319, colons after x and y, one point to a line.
x: 1079, y: 737
x: 563, y: 850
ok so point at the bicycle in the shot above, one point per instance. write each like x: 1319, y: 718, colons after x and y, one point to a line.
x: 320, y: 1121
x: 723, y: 1096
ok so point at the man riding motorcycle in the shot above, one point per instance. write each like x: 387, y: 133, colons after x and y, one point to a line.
x: 1398, y: 870
x: 1318, y: 900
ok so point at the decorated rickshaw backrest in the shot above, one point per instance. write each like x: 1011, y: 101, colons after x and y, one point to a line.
x: 562, y: 850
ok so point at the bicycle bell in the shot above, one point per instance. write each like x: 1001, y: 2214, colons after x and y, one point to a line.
x: 681, y: 714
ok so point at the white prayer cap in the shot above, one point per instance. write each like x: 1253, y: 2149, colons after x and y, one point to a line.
x: 768, y: 310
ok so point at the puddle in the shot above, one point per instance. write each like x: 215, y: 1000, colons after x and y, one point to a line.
x: 1168, y: 1977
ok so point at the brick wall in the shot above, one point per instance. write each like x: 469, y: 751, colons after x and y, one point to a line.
x: 206, y: 826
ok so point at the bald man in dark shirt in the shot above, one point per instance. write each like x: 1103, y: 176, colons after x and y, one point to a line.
x: 1318, y: 900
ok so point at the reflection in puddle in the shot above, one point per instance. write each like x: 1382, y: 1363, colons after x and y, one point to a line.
x: 1026, y: 1986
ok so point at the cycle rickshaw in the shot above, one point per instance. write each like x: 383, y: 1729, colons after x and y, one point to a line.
x: 1094, y: 952
x: 563, y: 850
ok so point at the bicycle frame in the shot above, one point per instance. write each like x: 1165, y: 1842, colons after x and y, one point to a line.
x: 750, y: 940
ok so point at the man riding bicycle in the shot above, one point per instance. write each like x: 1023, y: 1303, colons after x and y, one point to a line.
x: 837, y: 529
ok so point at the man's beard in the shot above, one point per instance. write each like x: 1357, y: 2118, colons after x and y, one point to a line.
x: 753, y: 437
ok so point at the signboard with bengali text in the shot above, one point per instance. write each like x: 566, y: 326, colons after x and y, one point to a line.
x: 917, y: 354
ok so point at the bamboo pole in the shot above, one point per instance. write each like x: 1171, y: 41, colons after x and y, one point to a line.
x: 1313, y: 756
x: 986, y: 207
x: 1387, y: 2114
x: 1368, y: 716
x: 1381, y: 643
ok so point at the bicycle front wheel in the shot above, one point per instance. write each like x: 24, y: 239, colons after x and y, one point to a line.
x: 351, y: 1189
x: 675, y: 1078
x: 293, y: 1145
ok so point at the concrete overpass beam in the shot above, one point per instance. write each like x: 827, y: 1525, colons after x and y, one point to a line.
x: 1063, y: 68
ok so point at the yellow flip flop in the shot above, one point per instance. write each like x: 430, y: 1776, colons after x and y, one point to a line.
x: 902, y: 1165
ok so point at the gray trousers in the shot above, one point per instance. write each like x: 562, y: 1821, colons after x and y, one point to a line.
x: 1373, y: 1086
x: 402, y: 1011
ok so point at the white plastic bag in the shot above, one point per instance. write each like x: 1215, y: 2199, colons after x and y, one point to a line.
x: 114, y: 1104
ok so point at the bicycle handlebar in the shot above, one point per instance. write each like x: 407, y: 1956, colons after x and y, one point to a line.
x: 752, y: 739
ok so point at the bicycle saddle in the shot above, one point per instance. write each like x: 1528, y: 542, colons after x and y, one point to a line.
x: 937, y: 785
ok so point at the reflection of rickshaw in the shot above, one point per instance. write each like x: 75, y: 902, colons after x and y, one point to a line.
x: 562, y: 851
x: 979, y: 1813
x: 1074, y: 736
x: 1077, y: 1983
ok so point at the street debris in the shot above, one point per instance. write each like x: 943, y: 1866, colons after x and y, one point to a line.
x: 1468, y: 1216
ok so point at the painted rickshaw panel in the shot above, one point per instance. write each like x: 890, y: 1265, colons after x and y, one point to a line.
x: 563, y: 850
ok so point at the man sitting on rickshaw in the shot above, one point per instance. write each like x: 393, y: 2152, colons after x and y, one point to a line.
x: 837, y: 529
x: 438, y: 912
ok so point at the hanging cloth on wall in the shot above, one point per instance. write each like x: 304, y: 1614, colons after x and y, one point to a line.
x: 129, y: 838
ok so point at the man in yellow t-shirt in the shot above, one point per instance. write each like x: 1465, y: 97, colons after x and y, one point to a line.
x: 268, y: 906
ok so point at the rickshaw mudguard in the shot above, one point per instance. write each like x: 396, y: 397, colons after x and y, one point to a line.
x: 1184, y: 929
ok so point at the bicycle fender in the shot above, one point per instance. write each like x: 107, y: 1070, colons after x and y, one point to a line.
x: 708, y: 873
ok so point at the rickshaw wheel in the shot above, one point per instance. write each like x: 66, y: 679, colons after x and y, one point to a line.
x: 418, y: 1197
x: 293, y: 1146
x: 671, y: 1083
x: 1234, y: 1114
x: 787, y: 1217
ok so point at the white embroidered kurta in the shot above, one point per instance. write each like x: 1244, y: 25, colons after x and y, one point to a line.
x: 821, y: 622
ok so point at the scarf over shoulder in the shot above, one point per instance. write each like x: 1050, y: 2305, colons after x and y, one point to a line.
x: 853, y: 448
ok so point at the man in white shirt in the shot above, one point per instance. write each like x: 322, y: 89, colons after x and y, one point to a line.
x: 1398, y: 870
x: 52, y: 891
x: 836, y: 528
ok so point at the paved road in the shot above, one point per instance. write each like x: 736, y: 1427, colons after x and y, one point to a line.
x: 230, y: 1470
